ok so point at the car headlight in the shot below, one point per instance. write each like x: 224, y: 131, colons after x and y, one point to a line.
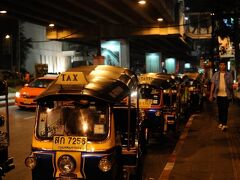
x: 66, y: 164
x: 31, y: 161
x: 104, y: 164
x: 17, y: 94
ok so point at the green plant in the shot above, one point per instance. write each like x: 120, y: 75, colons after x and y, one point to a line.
x: 25, y: 46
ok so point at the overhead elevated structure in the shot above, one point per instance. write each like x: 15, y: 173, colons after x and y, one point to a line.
x: 88, y: 22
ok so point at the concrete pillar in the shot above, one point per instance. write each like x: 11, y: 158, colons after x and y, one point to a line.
x: 124, y: 54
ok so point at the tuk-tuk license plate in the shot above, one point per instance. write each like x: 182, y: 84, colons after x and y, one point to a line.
x: 70, y: 143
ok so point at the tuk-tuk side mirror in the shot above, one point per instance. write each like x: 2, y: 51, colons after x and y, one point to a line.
x: 2, y: 120
x: 49, y: 104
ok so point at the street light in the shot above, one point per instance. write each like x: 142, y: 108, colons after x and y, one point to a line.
x: 51, y: 25
x: 9, y: 48
x: 159, y: 19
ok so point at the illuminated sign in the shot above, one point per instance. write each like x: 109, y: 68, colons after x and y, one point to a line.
x: 72, y: 78
x: 226, y: 48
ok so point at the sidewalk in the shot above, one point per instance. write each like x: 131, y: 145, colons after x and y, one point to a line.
x: 11, y: 100
x: 206, y: 152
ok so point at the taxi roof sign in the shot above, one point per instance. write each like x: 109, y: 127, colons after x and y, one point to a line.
x: 72, y: 78
x: 146, y: 79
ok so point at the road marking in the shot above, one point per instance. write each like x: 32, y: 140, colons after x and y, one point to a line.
x: 172, y: 159
x: 29, y: 117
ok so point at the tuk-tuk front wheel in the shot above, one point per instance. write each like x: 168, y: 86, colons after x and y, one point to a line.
x: 146, y: 135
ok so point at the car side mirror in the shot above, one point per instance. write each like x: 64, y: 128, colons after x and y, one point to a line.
x: 2, y: 120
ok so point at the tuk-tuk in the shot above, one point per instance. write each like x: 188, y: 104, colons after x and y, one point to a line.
x: 157, y: 105
x: 184, y: 97
x: 194, y: 85
x: 171, y: 100
x: 86, y: 126
x: 6, y: 162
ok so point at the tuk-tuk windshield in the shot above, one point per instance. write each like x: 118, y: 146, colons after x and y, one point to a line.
x: 73, y: 118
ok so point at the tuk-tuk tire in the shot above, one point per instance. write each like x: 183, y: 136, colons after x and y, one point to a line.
x: 4, y: 153
x: 144, y: 140
x: 146, y: 135
x: 118, y: 167
x: 117, y: 172
x: 175, y: 127
x: 139, y: 171
x: 139, y: 175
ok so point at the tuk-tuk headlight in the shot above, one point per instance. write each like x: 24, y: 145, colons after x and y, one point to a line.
x: 66, y: 164
x: 31, y: 161
x: 104, y: 164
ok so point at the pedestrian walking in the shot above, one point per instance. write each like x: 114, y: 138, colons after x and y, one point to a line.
x: 222, y: 91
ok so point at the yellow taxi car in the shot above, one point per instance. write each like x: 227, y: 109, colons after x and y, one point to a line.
x: 24, y: 98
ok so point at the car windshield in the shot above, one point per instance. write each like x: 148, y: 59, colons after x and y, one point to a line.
x: 40, y: 83
x: 73, y: 118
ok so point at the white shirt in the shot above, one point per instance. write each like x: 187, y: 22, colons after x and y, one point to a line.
x: 222, y: 86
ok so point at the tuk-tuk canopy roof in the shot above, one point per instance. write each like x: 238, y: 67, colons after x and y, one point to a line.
x: 157, y: 80
x: 108, y: 83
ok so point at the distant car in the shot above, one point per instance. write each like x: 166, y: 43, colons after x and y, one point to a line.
x: 24, y: 98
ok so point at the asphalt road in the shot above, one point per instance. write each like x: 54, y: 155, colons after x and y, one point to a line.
x: 21, y: 126
x: 159, y: 150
